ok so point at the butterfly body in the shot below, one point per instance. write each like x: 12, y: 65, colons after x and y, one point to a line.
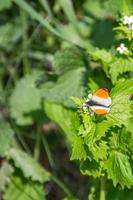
x: 99, y: 102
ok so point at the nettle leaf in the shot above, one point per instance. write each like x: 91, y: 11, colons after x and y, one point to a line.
x: 119, y: 169
x: 91, y: 168
x: 123, y: 32
x: 91, y: 134
x: 25, y: 99
x: 71, y: 82
x: 130, y: 122
x: 120, y: 110
x: 5, y: 173
x: 104, y: 57
x: 79, y: 150
x: 68, y: 59
x: 120, y: 66
x: 6, y: 138
x: 67, y: 119
x: 92, y: 131
x: 101, y: 55
x: 29, y: 166
x: 21, y: 189
x: 100, y: 151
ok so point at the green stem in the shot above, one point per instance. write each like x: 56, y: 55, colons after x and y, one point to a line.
x: 52, y: 164
x: 102, y: 189
x: 49, y: 155
x: 61, y: 185
x: 26, y: 65
x: 37, y: 145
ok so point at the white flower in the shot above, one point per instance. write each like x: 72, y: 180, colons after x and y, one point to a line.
x: 128, y: 21
x: 122, y: 49
x: 125, y: 20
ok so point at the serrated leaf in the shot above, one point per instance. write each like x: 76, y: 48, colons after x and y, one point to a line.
x: 68, y: 59
x: 6, y: 138
x: 100, y: 151
x: 92, y: 131
x: 67, y: 119
x: 120, y: 110
x: 103, y: 56
x: 119, y: 169
x: 25, y: 99
x: 120, y: 66
x: 29, y: 166
x: 70, y: 65
x: 79, y: 151
x: 69, y: 84
x: 91, y: 168
x: 5, y: 172
x: 20, y: 189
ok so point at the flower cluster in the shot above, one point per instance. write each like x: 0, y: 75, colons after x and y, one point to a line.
x: 128, y: 21
x: 122, y: 48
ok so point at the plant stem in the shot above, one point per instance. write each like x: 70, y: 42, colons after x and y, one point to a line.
x: 26, y: 65
x: 37, y: 145
x: 61, y: 185
x: 49, y: 155
x: 102, y: 189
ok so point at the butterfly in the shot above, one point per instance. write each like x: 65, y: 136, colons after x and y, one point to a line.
x: 99, y: 102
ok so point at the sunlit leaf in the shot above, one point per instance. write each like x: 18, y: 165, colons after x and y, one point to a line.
x: 20, y: 189
x: 29, y: 166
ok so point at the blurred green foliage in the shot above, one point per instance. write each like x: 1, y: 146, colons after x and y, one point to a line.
x: 52, y: 54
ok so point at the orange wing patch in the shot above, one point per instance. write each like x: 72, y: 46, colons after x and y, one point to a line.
x: 100, y: 111
x: 102, y: 93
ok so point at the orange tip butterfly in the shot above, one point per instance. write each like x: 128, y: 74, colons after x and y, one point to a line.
x: 99, y: 102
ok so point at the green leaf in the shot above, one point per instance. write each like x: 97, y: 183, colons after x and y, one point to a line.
x: 8, y: 33
x: 78, y: 149
x: 90, y: 168
x: 119, y: 169
x: 20, y: 189
x: 5, y: 172
x: 92, y: 131
x: 120, y: 110
x: 120, y: 6
x: 67, y: 119
x: 70, y: 83
x: 120, y: 66
x: 100, y: 151
x: 6, y: 138
x: 25, y: 99
x: 68, y: 59
x: 29, y: 166
x: 95, y: 8
x: 103, y: 56
x: 5, y: 4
